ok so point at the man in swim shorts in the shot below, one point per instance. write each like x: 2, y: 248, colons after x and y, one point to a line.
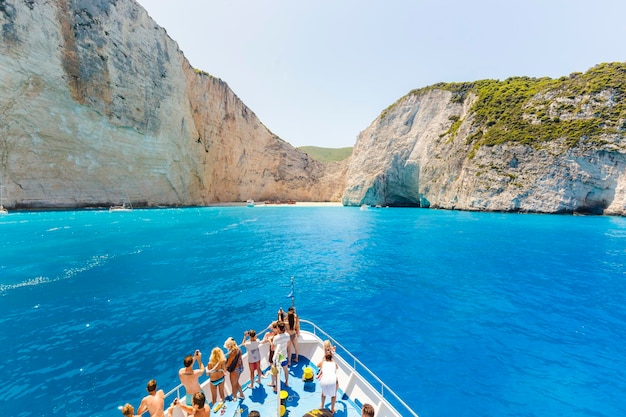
x: 153, y: 402
x: 189, y: 376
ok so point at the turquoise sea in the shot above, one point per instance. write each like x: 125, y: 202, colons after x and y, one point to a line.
x: 461, y: 314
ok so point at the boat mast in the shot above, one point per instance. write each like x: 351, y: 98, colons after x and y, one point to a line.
x: 278, y: 360
x: 292, y: 295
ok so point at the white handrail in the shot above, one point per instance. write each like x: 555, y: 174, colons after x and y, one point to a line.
x: 385, y: 391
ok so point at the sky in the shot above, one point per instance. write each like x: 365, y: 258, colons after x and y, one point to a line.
x: 318, y: 72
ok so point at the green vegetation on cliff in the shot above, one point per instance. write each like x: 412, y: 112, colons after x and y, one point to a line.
x: 327, y: 155
x: 534, y: 110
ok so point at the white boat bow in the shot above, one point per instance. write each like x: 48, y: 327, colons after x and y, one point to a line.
x: 357, y: 384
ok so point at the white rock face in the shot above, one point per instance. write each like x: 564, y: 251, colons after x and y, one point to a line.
x: 97, y: 103
x: 407, y: 157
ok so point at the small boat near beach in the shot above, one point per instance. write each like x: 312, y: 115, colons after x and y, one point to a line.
x: 250, y: 203
x: 122, y: 207
x: 357, y: 385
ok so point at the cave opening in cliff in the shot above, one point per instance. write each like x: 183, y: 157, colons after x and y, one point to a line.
x: 401, y: 201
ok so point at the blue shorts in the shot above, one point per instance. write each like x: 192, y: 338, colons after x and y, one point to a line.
x: 217, y: 381
x: 284, y: 363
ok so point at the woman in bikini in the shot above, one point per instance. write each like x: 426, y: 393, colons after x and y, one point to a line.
x: 216, y: 371
x: 293, y: 329
x: 281, y: 315
x: 234, y: 366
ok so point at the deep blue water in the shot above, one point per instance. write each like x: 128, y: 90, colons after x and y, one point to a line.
x: 462, y: 314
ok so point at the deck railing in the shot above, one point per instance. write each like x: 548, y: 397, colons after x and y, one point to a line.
x: 382, y: 388
x: 385, y: 392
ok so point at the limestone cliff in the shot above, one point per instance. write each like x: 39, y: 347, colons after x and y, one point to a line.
x: 529, y: 145
x: 97, y: 103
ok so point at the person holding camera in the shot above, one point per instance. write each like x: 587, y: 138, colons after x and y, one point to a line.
x: 293, y: 330
x: 254, y: 355
x: 199, y: 407
x: 189, y: 377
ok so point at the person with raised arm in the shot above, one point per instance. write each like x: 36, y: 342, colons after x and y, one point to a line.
x: 189, y: 377
x: 216, y: 369
x: 293, y: 329
x: 199, y: 407
x: 254, y: 355
x: 281, y: 341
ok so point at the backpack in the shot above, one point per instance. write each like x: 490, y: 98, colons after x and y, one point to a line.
x: 235, y: 362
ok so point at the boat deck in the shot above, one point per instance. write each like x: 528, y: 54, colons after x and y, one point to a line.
x: 302, y: 397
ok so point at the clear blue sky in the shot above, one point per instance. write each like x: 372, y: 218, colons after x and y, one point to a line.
x: 317, y: 72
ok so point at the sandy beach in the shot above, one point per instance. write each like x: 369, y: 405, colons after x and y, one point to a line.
x: 297, y: 204
x: 301, y: 204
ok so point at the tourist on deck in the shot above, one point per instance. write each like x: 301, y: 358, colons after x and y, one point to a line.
x: 281, y: 340
x: 189, y: 376
x: 328, y: 380
x: 254, y: 356
x: 199, y: 407
x: 269, y: 338
x: 293, y: 330
x: 282, y: 316
x: 216, y: 369
x: 153, y: 402
x: 329, y: 348
x: 128, y: 410
x: 367, y: 410
x: 234, y: 366
x: 254, y: 413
